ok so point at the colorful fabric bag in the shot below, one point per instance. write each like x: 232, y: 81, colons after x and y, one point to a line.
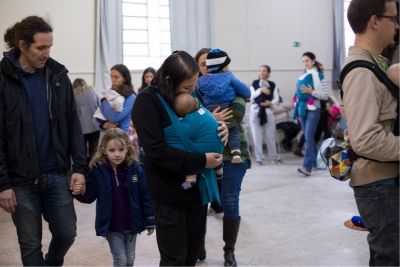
x: 338, y: 157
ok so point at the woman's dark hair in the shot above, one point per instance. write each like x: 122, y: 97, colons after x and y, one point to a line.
x: 311, y: 56
x: 201, y: 52
x: 179, y: 66
x: 360, y: 11
x: 25, y: 31
x: 267, y: 67
x: 144, y: 85
x: 127, y: 88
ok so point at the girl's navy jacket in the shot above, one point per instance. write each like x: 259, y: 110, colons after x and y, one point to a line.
x: 98, y: 186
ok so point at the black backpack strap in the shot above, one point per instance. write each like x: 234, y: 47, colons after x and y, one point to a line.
x: 379, y: 73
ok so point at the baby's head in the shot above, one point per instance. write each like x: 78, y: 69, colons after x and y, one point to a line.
x: 184, y: 104
x: 264, y: 83
x: 394, y: 73
x: 217, y: 61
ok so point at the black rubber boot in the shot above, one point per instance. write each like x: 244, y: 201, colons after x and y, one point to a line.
x: 230, y: 233
x: 202, y: 254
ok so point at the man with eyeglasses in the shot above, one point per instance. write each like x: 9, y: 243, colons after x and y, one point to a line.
x: 370, y: 111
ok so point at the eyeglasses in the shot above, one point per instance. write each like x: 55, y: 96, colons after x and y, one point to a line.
x: 394, y: 19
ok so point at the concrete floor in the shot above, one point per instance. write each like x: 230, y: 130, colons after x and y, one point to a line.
x: 287, y: 220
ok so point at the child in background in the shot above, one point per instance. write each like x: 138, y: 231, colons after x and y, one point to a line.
x: 218, y: 88
x: 123, y: 206
x: 335, y: 120
x: 186, y: 104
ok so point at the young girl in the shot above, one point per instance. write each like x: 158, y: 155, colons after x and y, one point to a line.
x: 123, y: 207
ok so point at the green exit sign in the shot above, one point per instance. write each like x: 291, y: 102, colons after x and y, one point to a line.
x: 296, y: 44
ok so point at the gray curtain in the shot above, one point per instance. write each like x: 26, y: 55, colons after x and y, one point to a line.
x: 190, y: 25
x: 108, y: 41
x: 338, y: 41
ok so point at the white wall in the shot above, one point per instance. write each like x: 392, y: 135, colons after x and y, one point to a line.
x: 253, y: 32
x: 256, y: 32
x: 73, y: 23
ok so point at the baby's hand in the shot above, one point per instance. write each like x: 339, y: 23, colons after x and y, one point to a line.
x: 150, y: 231
x: 115, y: 108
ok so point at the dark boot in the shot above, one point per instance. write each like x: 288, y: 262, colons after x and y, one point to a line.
x: 202, y: 254
x: 230, y: 233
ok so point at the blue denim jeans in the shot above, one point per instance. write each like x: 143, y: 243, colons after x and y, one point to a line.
x: 51, y: 198
x: 122, y: 246
x: 309, y: 125
x: 379, y: 208
x: 231, y: 186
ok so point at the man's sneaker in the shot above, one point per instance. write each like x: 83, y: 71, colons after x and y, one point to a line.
x: 304, y: 171
x: 260, y: 163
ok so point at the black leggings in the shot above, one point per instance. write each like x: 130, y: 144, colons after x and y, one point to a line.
x: 180, y: 234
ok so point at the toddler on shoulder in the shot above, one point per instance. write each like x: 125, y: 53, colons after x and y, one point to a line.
x: 218, y: 88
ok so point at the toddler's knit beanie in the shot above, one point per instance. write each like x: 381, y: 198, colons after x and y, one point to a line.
x: 216, y: 60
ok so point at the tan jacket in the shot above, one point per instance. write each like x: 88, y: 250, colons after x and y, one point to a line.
x: 282, y: 112
x: 370, y: 112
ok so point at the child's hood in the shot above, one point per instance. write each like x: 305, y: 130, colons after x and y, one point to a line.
x: 214, y: 84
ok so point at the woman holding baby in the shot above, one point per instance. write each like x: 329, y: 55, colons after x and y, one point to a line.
x: 119, y: 117
x: 179, y: 213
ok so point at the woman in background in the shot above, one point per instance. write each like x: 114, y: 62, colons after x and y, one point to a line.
x: 215, y: 207
x: 233, y: 174
x: 200, y: 58
x: 122, y: 83
x: 307, y: 113
x: 147, y: 77
x: 264, y: 95
x: 86, y: 104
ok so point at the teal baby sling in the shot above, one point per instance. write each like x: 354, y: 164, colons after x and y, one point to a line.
x: 300, y: 109
x: 177, y: 135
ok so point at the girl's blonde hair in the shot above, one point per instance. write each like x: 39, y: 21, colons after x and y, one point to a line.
x: 109, y: 135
